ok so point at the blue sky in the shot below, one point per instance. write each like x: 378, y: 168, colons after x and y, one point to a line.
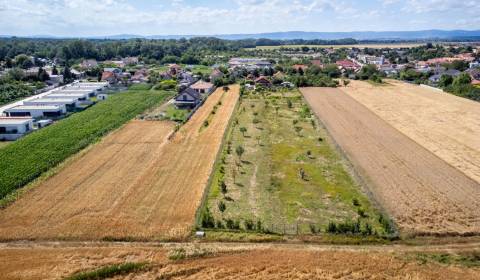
x: 207, y: 17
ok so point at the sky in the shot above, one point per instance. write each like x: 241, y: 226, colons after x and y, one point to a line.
x: 209, y: 17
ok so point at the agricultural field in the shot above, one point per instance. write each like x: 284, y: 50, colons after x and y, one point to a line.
x: 423, y: 193
x: 280, y: 173
x: 235, y: 261
x: 360, y: 46
x: 36, y: 153
x: 430, y: 118
x: 142, y: 182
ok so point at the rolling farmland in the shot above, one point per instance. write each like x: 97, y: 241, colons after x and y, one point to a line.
x: 135, y: 184
x: 423, y: 193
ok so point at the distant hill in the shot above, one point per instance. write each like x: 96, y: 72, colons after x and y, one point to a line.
x: 291, y: 35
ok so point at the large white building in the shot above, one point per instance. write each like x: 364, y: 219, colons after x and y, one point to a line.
x: 36, y: 111
x: 69, y: 103
x: 14, y: 128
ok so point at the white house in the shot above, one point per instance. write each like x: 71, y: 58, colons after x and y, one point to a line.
x: 202, y: 87
x: 36, y: 111
x: 14, y: 128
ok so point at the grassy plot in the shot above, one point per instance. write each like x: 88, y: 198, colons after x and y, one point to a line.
x: 175, y: 114
x: 278, y: 173
x: 29, y: 157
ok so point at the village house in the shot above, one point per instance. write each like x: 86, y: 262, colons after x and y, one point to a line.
x: 435, y: 79
x: 371, y: 59
x: 216, y: 74
x: 14, y: 128
x: 188, y: 98
x: 130, y: 61
x: 202, y: 87
x: 109, y: 77
x: 300, y: 67
x: 174, y: 69
x: 140, y: 76
x: 263, y: 81
x: 347, y: 65
x: 89, y: 64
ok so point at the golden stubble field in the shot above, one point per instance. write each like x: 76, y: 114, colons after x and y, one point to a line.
x: 135, y: 184
x: 423, y: 193
x: 446, y: 125
x: 242, y: 261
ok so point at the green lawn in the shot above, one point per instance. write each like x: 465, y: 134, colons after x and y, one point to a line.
x: 174, y: 114
x: 34, y: 154
x: 289, y: 174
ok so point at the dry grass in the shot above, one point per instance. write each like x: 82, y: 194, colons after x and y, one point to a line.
x: 137, y: 184
x: 227, y: 262
x: 423, y: 193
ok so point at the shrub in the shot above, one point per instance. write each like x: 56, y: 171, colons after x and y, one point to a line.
x: 221, y: 206
x: 249, y: 225
x: 208, y: 221
x: 332, y: 227
x: 355, y: 202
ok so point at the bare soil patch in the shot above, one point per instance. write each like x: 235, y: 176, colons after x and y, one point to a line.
x: 136, y: 184
x: 423, y: 193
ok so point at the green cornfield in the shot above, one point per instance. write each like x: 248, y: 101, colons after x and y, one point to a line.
x: 26, y: 159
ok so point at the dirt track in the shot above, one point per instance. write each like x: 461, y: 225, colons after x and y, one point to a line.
x: 242, y: 261
x: 134, y: 184
x: 444, y: 124
x: 424, y: 194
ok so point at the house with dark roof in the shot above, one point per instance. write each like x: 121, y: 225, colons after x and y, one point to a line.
x: 188, y: 98
x: 435, y: 79
x: 263, y: 81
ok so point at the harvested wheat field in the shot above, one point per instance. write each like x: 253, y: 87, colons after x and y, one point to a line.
x: 423, y: 193
x: 238, y: 262
x: 136, y: 184
x: 446, y: 125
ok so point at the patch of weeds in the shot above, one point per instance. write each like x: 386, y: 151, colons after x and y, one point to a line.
x: 109, y: 271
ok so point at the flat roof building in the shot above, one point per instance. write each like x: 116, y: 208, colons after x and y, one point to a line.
x: 36, y: 111
x: 70, y: 103
x: 14, y: 128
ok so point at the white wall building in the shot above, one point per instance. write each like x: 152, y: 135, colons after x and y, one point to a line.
x: 34, y: 111
x: 14, y: 128
x: 69, y: 103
